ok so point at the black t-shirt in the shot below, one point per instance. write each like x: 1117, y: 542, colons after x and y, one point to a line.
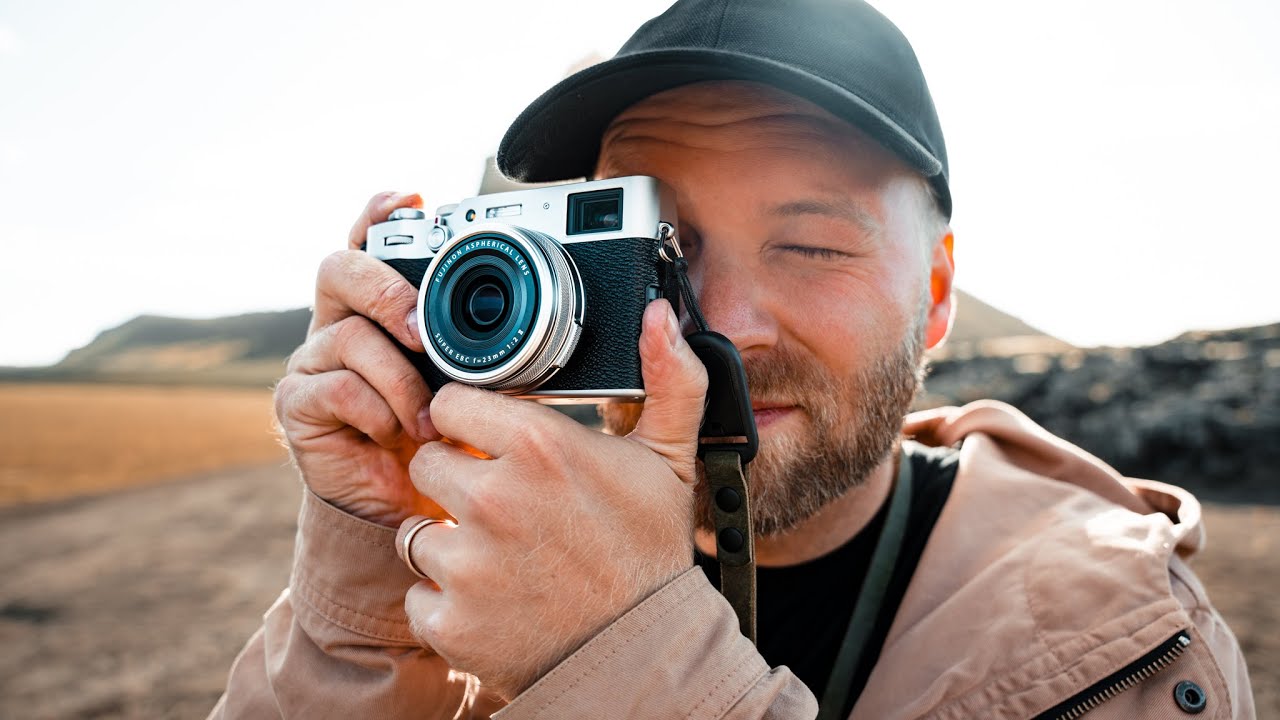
x: 803, y: 610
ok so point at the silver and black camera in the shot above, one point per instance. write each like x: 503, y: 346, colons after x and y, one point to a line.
x: 537, y: 293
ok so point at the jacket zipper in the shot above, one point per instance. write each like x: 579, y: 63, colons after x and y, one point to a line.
x: 1130, y: 675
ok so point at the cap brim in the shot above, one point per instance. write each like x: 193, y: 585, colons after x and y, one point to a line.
x: 558, y: 136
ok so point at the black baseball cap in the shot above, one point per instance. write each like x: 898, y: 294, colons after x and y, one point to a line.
x: 842, y: 55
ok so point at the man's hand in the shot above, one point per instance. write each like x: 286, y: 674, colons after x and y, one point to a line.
x: 352, y: 407
x: 563, y: 529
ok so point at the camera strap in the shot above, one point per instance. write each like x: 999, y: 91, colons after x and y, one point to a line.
x: 727, y: 443
x: 875, y: 585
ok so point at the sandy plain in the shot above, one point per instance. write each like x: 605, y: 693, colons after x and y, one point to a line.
x: 130, y: 596
x: 59, y: 441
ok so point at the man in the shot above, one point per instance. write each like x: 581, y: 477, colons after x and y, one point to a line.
x: 1027, y: 579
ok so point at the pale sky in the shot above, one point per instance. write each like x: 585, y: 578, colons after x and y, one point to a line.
x: 1114, y: 164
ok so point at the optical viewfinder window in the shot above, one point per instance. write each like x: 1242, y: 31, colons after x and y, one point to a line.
x: 592, y: 212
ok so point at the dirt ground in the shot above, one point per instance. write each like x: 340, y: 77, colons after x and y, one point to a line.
x: 133, y: 604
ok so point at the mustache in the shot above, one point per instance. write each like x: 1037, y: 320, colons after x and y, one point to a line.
x: 784, y: 376
x: 787, y: 376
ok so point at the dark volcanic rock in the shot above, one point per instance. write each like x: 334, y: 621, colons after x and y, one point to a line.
x: 1202, y: 410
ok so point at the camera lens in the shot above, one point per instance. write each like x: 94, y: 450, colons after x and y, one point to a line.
x: 478, y: 300
x: 485, y: 305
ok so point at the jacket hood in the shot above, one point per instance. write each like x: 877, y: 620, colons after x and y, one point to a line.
x: 1019, y: 441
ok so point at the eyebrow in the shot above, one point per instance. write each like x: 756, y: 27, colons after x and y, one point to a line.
x: 839, y: 208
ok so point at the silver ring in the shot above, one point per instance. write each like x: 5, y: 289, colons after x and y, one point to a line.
x: 408, y: 544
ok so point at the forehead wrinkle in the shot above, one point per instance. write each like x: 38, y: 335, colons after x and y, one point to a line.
x: 631, y: 147
x: 835, y: 206
x: 631, y: 155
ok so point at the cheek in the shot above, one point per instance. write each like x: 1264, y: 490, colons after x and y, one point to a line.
x: 846, y: 319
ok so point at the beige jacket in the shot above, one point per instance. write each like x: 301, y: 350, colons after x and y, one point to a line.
x: 1046, y: 574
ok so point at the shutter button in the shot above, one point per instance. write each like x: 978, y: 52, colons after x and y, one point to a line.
x: 1190, y: 697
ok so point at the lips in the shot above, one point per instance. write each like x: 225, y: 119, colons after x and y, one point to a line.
x: 768, y: 413
x: 762, y: 408
x: 758, y: 404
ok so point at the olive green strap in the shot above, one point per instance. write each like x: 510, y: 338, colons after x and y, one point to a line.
x: 735, y: 549
x: 883, y: 561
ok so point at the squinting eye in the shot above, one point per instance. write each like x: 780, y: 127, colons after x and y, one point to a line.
x: 816, y: 252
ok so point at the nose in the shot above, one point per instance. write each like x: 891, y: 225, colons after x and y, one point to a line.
x: 734, y: 301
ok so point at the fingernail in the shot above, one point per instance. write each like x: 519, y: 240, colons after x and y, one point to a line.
x: 426, y: 429
x: 673, y: 328
x: 411, y: 320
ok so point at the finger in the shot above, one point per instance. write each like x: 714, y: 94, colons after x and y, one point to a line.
x: 449, y: 476
x: 332, y: 401
x: 351, y: 282
x: 355, y: 343
x: 376, y: 211
x: 427, y: 548
x: 494, y: 423
x: 675, y: 383
x: 426, y: 608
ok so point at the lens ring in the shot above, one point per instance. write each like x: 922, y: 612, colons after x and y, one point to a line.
x: 543, y: 312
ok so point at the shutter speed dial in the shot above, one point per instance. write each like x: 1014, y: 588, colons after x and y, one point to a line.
x: 407, y: 214
x: 436, y: 237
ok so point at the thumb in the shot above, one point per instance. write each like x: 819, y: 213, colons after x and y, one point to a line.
x: 675, y: 383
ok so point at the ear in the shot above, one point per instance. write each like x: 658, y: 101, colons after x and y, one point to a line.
x: 942, y: 274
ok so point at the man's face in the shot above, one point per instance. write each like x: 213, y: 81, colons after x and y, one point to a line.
x: 807, y: 248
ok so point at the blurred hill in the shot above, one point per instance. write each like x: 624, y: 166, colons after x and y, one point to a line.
x: 983, y: 330
x: 242, y: 350
x: 250, y: 350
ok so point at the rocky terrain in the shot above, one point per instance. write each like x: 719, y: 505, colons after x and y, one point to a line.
x: 1202, y: 410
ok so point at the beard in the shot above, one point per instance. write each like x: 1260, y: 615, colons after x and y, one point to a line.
x: 853, y: 424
